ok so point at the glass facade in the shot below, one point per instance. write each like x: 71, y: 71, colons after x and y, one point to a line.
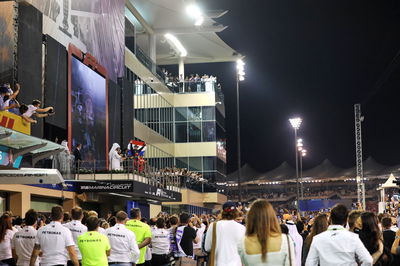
x: 195, y: 124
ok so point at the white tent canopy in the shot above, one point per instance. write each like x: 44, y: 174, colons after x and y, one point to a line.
x: 169, y: 16
x: 389, y: 183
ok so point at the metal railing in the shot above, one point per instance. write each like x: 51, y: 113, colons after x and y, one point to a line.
x: 149, y: 64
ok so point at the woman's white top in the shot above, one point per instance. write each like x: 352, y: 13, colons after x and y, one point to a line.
x: 275, y: 258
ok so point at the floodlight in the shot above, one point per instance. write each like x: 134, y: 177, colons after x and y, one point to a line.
x: 295, y: 122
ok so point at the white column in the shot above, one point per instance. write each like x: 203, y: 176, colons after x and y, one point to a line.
x: 153, y: 50
x: 182, y: 72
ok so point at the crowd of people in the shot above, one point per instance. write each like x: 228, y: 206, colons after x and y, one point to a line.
x: 9, y: 103
x: 191, y: 83
x: 235, y: 236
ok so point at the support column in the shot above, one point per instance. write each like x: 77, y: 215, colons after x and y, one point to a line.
x: 153, y: 50
x: 20, y: 203
x: 182, y: 74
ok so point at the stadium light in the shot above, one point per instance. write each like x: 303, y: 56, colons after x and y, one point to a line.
x: 176, y: 43
x: 195, y: 12
x: 295, y: 122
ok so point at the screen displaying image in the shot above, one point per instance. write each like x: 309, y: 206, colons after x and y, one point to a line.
x: 88, y: 113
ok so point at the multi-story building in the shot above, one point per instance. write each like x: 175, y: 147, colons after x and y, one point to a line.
x: 181, y: 122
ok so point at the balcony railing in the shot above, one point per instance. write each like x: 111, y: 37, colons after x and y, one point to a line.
x: 149, y: 64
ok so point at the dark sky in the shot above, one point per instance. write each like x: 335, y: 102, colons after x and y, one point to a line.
x: 315, y: 59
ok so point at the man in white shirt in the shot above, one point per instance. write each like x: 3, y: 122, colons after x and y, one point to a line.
x: 52, y: 240
x: 77, y: 228
x: 160, y: 243
x: 229, y: 233
x: 124, y: 249
x: 337, y: 246
x: 24, y: 240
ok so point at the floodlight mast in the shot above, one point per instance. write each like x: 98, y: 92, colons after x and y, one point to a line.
x: 296, y: 123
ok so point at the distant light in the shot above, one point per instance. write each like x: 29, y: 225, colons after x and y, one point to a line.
x: 177, y: 44
x: 240, y: 69
x: 240, y: 62
x: 241, y: 78
x: 299, y: 141
x: 295, y: 122
x: 299, y: 148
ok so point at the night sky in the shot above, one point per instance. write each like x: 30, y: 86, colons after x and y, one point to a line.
x: 315, y: 59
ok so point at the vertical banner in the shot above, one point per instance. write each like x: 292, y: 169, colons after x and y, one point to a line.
x: 7, y: 40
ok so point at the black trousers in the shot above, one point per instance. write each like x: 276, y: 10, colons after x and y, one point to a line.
x: 159, y: 260
x: 10, y: 262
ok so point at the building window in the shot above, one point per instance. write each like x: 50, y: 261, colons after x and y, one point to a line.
x: 182, y: 162
x: 208, y: 113
x: 194, y: 131
x: 194, y: 114
x: 181, y: 132
x: 181, y: 114
x: 195, y: 164
x: 209, y: 163
x: 209, y: 131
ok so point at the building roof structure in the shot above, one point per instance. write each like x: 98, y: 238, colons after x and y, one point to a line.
x: 202, y: 43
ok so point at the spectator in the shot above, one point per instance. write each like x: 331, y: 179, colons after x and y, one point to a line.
x: 78, y: 156
x: 228, y: 235
x: 94, y: 246
x: 185, y: 236
x: 297, y: 238
x: 160, y: 243
x: 264, y: 244
x: 319, y: 225
x: 52, y: 241
x: 337, y: 246
x: 354, y: 221
x: 388, y: 234
x: 99, y: 228
x: 124, y: 248
x: 34, y: 109
x: 142, y: 232
x: 6, y: 98
x: 24, y: 240
x: 6, y: 235
x: 371, y: 236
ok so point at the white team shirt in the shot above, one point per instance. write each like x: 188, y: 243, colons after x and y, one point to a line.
x: 23, y: 243
x: 200, y: 235
x: 123, y: 244
x: 5, y: 245
x: 31, y: 110
x: 53, y: 240
x: 160, y: 241
x: 101, y: 230
x: 76, y: 228
x: 338, y: 247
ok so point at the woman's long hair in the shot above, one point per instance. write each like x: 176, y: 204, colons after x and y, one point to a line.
x: 5, y: 224
x: 320, y: 225
x: 262, y: 222
x: 370, y: 226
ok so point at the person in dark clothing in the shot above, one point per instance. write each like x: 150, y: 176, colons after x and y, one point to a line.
x: 188, y: 236
x: 78, y: 156
x: 388, y: 234
x: 370, y: 235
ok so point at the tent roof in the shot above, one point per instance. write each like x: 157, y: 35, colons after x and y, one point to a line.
x: 323, y: 170
x: 283, y: 171
x: 389, y: 182
x: 169, y: 16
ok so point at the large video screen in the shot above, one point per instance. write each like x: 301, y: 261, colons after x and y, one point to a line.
x: 89, y: 113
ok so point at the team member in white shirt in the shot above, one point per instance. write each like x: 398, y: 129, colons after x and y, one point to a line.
x: 52, y: 240
x: 160, y: 243
x: 337, y: 246
x: 24, y: 240
x: 124, y: 248
x: 77, y: 228
x: 101, y: 230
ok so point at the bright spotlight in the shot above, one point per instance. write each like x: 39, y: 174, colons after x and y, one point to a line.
x: 295, y: 122
x: 241, y: 78
x: 195, y: 12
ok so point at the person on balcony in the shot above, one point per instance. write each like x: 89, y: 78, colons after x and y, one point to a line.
x: 34, y: 109
x: 115, y: 158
